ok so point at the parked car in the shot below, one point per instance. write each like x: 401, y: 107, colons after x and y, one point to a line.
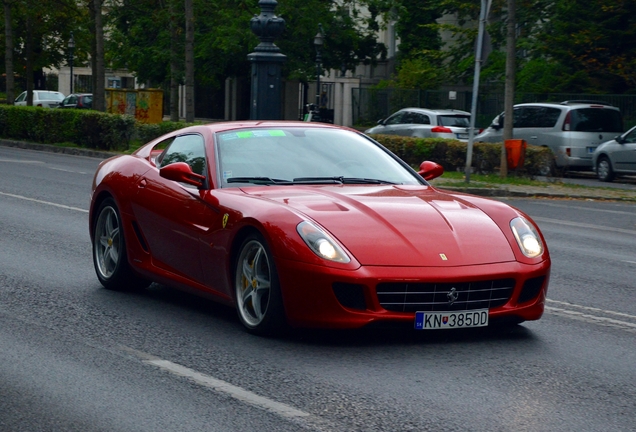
x: 41, y: 98
x: 77, y: 100
x: 425, y: 123
x: 311, y: 225
x: 616, y: 157
x: 571, y: 129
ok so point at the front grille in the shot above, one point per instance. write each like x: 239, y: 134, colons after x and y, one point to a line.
x: 431, y: 297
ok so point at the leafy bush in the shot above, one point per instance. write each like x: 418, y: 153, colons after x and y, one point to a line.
x: 85, y: 128
x: 451, y: 154
x: 147, y: 132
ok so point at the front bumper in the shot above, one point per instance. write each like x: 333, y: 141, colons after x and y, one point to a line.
x: 310, y: 300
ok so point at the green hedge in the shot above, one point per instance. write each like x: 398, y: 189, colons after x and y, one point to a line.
x: 451, y: 154
x: 98, y: 130
x: 85, y: 128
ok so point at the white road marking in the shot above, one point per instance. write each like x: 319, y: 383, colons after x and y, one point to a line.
x: 67, y: 170
x: 594, y: 316
x: 630, y: 262
x: 591, y: 309
x: 21, y: 161
x: 218, y: 385
x: 583, y: 225
x: 232, y: 390
x: 44, y: 202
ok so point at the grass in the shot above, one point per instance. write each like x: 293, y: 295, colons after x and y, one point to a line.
x: 487, y: 180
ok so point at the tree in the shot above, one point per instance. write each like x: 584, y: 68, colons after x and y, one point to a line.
x: 99, y: 69
x: 8, y: 51
x: 189, y: 60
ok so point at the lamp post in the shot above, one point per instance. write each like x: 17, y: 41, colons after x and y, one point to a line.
x: 318, y: 42
x: 71, y: 47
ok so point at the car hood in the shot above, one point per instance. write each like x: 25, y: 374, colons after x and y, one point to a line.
x: 399, y: 225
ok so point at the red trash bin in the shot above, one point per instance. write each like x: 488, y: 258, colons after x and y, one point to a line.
x: 515, y: 152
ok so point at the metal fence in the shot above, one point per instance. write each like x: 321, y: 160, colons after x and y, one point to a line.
x: 370, y: 105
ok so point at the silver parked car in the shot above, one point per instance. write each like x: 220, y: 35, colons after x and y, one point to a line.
x: 41, y: 98
x: 616, y: 157
x: 425, y: 123
x: 572, y: 129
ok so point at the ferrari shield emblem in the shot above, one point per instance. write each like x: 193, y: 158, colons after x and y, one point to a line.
x: 443, y: 257
x: 225, y: 218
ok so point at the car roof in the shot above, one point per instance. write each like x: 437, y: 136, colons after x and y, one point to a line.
x: 436, y: 111
x: 262, y: 124
x: 573, y: 104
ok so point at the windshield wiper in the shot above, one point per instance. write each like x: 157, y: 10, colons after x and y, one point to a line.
x: 339, y: 180
x: 259, y: 180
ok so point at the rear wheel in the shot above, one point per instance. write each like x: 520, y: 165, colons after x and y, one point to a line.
x: 258, y: 298
x: 604, y: 169
x: 109, y: 251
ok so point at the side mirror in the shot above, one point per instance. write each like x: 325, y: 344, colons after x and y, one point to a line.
x: 619, y: 139
x: 181, y: 172
x: 430, y: 170
x: 381, y: 122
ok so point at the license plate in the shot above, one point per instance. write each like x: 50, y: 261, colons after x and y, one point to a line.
x: 591, y: 149
x: 462, y: 136
x: 451, y: 320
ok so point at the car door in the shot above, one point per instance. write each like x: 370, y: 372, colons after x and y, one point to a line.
x: 397, y: 124
x: 420, y: 125
x: 624, y: 155
x: 173, y: 217
x: 21, y: 100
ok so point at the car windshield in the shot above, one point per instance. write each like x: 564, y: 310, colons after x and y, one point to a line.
x: 596, y: 120
x: 296, y: 155
x: 454, y: 120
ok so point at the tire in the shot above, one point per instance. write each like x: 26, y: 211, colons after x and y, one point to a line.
x: 604, y: 170
x: 259, y: 302
x: 109, y: 251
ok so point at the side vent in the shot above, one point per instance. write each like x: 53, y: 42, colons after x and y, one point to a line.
x: 140, y: 237
x: 531, y: 289
x: 350, y: 296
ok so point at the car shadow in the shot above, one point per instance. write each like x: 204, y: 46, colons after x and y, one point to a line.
x: 210, y: 311
x: 407, y: 335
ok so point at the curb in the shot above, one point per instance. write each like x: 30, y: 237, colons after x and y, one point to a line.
x: 55, y: 149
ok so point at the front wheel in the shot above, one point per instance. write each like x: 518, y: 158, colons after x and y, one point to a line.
x: 109, y: 251
x: 258, y: 298
x: 604, y: 169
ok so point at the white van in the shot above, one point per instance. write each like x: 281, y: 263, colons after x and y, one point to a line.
x: 572, y: 129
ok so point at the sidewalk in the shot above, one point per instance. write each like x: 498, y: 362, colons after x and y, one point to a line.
x: 554, y: 188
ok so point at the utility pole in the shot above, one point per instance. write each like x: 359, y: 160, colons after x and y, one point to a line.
x: 509, y: 96
x: 483, y: 15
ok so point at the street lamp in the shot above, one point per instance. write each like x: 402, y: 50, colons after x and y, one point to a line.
x: 71, y: 47
x: 318, y: 42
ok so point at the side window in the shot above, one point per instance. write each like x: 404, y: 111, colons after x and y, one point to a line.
x: 525, y: 117
x: 421, y: 118
x: 186, y: 148
x: 397, y: 118
x: 549, y: 117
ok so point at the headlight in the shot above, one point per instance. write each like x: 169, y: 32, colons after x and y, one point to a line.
x: 321, y: 243
x: 527, y: 237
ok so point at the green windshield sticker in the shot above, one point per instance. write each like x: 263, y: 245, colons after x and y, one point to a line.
x: 253, y: 134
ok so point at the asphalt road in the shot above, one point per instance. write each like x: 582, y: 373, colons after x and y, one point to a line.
x: 76, y: 357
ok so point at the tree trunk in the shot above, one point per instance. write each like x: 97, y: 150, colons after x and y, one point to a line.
x: 509, y: 97
x: 8, y: 53
x: 29, y: 60
x: 174, y: 65
x: 189, y: 60
x: 99, y: 73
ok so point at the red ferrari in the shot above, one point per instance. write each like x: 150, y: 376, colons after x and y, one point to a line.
x: 311, y: 225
